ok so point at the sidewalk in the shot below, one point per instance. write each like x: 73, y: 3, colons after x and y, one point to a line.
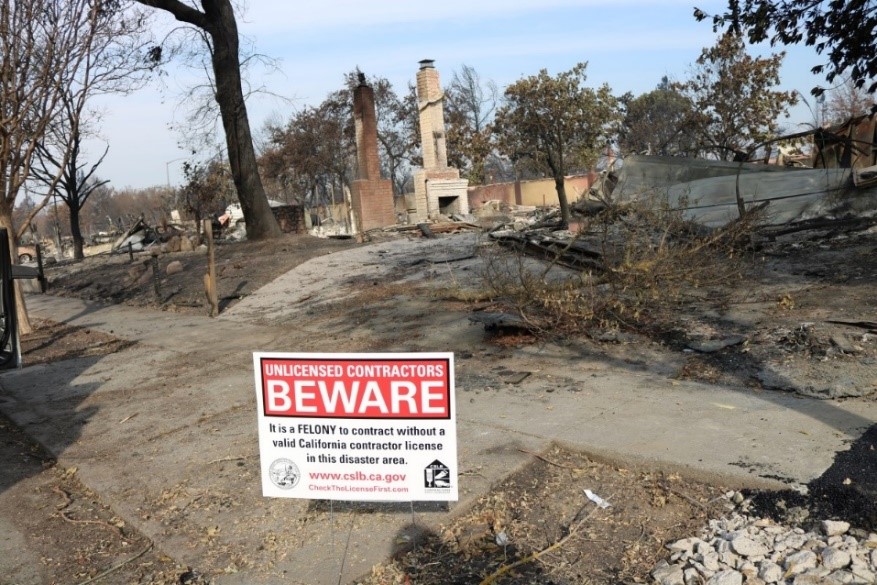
x: 165, y: 431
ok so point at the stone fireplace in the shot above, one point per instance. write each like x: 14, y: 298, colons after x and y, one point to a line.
x: 438, y: 188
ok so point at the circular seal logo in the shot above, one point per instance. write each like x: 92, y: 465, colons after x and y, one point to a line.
x: 284, y: 474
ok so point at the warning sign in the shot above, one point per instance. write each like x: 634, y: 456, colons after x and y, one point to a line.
x: 357, y: 426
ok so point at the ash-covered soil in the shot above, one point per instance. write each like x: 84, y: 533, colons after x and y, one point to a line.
x: 801, y: 320
x: 241, y: 268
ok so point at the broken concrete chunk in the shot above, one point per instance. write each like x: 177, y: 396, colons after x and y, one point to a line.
x: 749, y: 570
x: 840, y: 578
x: 173, y: 244
x: 145, y: 277
x: 801, y: 561
x: 843, y: 343
x: 835, y: 527
x: 792, y: 556
x: 614, y: 336
x: 685, y: 545
x: 174, y: 267
x: 864, y: 575
x: 711, y: 561
x: 835, y: 558
x: 833, y: 381
x: 726, y: 578
x: 811, y: 578
x: 729, y: 558
x: 668, y: 575
x: 770, y: 572
x: 516, y: 377
x: 747, y: 547
x: 692, y: 577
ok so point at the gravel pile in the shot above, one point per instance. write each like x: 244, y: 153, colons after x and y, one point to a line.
x: 741, y: 549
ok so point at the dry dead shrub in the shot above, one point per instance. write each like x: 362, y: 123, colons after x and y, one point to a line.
x: 652, y: 261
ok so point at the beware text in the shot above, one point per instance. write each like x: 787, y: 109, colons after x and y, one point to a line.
x: 366, y: 388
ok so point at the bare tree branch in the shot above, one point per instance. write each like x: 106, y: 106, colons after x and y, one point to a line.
x: 180, y: 11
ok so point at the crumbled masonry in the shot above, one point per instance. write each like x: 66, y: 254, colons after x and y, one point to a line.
x: 742, y: 549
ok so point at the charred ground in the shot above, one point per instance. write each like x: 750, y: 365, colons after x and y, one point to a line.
x: 786, y: 311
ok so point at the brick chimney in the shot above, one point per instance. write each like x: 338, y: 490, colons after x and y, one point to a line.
x: 430, y: 102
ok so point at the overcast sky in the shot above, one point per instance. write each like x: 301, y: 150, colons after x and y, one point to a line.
x: 629, y: 44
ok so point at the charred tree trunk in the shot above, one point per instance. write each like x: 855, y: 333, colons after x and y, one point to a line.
x: 76, y: 232
x: 222, y: 28
x: 218, y: 21
x: 560, y: 187
x: 72, y: 197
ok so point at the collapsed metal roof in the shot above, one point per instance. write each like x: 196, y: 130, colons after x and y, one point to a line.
x: 707, y: 190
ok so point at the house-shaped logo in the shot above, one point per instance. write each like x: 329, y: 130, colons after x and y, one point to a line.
x: 437, y: 476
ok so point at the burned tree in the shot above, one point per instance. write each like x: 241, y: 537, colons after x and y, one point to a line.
x: 43, y: 45
x: 76, y: 183
x: 658, y: 122
x: 469, y: 108
x: 119, y: 60
x: 217, y: 22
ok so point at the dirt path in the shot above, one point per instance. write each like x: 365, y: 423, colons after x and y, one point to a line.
x: 55, y: 530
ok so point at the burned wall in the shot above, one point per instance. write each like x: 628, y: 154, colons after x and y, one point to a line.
x: 290, y: 218
x: 852, y: 145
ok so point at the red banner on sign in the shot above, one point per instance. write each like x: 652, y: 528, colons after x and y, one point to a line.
x: 356, y: 388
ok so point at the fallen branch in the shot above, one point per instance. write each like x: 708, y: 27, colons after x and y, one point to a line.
x: 821, y: 223
x: 870, y: 325
x: 683, y: 496
x: 225, y: 459
x: 420, y: 261
x: 569, y: 253
x: 63, y: 514
x: 545, y: 459
x: 536, y: 555
x: 120, y: 565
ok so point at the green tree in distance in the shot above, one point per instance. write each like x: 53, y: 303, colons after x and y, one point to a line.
x: 657, y: 123
x: 844, y: 30
x: 556, y: 123
x: 735, y: 105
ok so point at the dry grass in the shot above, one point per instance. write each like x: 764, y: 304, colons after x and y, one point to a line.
x: 652, y: 263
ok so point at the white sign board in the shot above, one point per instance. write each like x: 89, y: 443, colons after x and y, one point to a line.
x: 357, y: 426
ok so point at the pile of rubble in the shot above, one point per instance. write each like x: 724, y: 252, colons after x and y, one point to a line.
x: 742, y: 549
